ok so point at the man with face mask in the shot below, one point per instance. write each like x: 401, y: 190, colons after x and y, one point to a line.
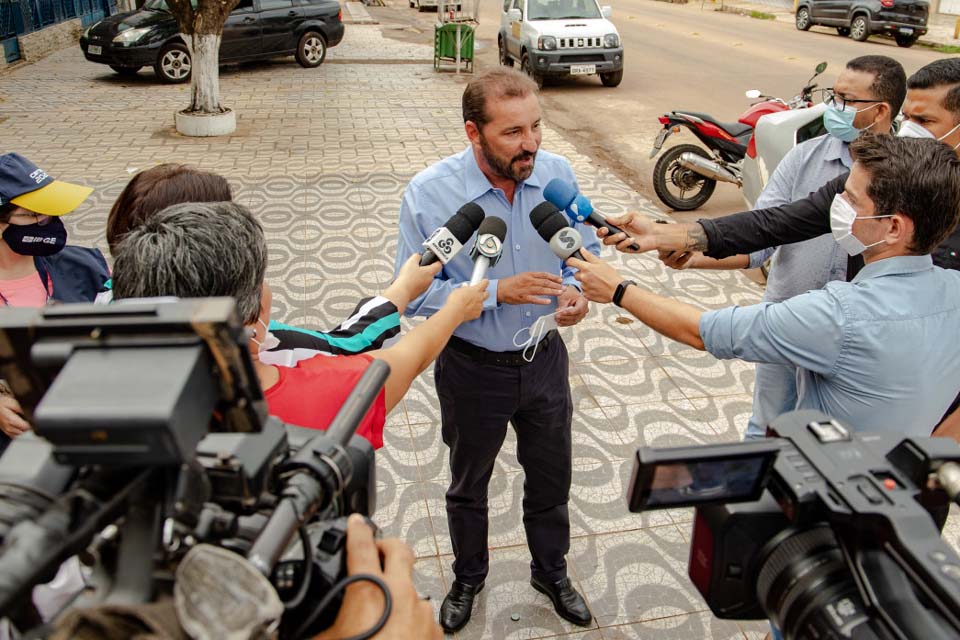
x: 484, y: 378
x: 932, y: 109
x: 865, y: 98
x: 36, y: 265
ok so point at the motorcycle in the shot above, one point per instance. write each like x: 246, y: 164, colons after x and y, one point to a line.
x: 695, y: 171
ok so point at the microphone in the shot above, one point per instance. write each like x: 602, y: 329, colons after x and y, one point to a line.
x: 488, y: 248
x: 578, y: 208
x: 447, y: 241
x: 564, y: 240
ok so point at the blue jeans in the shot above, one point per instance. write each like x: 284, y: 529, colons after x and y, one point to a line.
x: 774, y: 393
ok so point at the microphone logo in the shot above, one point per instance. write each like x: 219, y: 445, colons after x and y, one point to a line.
x: 489, y: 245
x: 575, y: 210
x: 567, y: 239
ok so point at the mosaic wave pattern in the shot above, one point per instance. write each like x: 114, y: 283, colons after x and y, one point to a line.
x: 321, y: 157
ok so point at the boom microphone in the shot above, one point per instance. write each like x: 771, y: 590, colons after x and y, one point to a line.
x: 447, y: 241
x: 564, y: 240
x: 489, y: 246
x: 578, y: 208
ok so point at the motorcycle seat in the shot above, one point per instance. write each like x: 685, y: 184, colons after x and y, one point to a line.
x: 735, y: 129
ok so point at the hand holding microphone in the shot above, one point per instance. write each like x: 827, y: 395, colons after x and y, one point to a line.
x: 564, y: 196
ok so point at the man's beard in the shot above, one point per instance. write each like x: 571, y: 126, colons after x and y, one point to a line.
x: 505, y: 169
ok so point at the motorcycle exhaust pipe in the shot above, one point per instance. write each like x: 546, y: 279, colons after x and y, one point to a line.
x: 708, y: 168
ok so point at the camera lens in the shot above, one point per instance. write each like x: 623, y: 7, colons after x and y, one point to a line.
x: 806, y: 588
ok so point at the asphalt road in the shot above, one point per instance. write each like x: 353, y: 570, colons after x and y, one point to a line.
x: 676, y: 56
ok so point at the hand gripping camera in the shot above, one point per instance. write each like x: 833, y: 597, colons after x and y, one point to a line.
x: 826, y: 532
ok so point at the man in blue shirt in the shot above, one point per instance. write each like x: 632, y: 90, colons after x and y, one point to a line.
x: 483, y: 381
x: 879, y: 353
x: 866, y: 97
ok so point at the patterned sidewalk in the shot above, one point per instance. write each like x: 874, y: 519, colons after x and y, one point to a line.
x: 322, y: 156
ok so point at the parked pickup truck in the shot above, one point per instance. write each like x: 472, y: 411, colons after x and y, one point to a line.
x: 560, y: 38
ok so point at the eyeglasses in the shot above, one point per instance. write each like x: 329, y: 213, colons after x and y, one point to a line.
x: 830, y: 98
x: 31, y: 218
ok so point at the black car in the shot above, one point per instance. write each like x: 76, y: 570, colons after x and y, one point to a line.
x: 905, y: 20
x: 256, y: 29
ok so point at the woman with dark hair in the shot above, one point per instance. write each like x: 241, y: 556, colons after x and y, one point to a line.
x: 373, y: 321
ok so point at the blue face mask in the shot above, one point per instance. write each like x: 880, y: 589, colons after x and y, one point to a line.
x: 839, y: 123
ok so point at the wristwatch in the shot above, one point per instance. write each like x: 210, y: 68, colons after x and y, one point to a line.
x: 621, y: 289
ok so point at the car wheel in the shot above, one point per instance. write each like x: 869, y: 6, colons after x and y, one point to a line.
x: 505, y: 58
x: 312, y: 50
x: 527, y: 67
x: 906, y: 41
x: 803, y: 19
x: 860, y: 29
x: 611, y: 79
x: 411, y: 4
x: 173, y: 63
x: 420, y: 7
x: 125, y: 71
x: 843, y: 31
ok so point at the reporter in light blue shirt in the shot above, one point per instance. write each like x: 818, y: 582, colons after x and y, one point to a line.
x: 879, y: 353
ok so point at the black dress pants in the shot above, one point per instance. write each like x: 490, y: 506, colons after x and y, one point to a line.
x: 477, y: 400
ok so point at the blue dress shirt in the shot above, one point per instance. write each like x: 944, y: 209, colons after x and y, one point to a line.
x: 879, y: 353
x: 437, y: 192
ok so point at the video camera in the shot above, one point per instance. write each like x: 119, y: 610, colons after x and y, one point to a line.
x: 819, y: 529
x: 155, y: 454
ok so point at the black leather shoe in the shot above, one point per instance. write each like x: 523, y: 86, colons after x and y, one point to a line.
x: 458, y: 605
x: 569, y: 604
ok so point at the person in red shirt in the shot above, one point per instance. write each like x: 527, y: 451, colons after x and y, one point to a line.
x: 218, y: 249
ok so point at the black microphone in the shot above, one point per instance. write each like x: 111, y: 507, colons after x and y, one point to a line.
x: 447, y: 241
x: 564, y: 240
x: 486, y: 252
x: 578, y: 208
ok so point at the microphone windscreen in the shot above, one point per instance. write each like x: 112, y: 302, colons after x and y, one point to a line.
x: 472, y: 212
x: 552, y: 225
x: 560, y: 193
x: 541, y: 212
x: 462, y: 226
x: 495, y: 226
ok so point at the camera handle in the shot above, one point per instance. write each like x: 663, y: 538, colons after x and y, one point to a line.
x: 318, y: 472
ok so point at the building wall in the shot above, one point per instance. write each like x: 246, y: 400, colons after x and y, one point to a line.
x: 38, y: 44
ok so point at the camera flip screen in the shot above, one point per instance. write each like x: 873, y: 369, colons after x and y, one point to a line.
x: 667, y: 478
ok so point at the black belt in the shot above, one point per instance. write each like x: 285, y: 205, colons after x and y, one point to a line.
x: 501, y: 358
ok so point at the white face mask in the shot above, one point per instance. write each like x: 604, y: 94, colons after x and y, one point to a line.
x: 541, y: 327
x: 842, y: 216
x: 270, y: 341
x: 910, y: 129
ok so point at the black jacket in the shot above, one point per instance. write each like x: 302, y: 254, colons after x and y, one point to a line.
x: 795, y: 222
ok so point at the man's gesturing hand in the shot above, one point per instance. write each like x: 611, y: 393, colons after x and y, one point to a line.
x: 598, y: 279
x: 529, y: 288
x: 363, y: 603
x: 572, y: 307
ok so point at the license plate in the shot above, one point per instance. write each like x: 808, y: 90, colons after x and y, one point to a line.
x: 906, y: 31
x: 94, y: 50
x: 582, y: 69
x: 658, y: 143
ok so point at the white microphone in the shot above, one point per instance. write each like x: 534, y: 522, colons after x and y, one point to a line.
x: 486, y: 252
x: 564, y: 240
